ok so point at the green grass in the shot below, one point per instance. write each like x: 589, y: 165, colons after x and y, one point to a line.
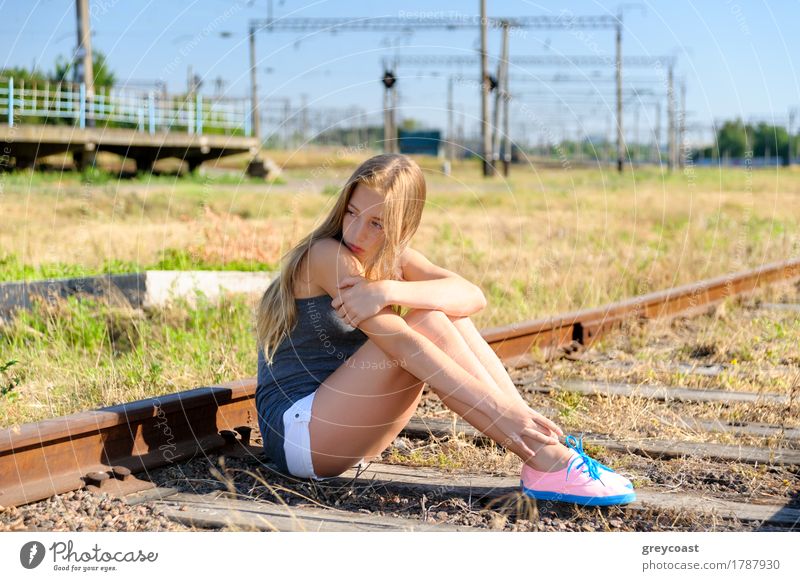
x: 541, y: 242
x: 8, y: 381
x: 82, y: 354
x: 13, y: 269
x: 569, y: 402
x: 97, y: 176
x: 177, y: 259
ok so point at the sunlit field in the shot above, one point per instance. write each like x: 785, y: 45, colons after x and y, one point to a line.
x: 543, y: 241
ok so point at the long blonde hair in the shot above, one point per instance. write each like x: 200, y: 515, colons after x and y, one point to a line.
x: 401, y: 182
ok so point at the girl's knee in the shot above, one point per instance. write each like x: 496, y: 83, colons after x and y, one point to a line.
x: 416, y: 317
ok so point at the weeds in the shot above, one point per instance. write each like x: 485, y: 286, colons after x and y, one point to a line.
x: 84, y: 354
x: 532, y: 242
x: 569, y: 402
x: 9, y: 382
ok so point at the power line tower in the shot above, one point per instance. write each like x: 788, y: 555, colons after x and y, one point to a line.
x: 564, y: 61
x: 486, y: 136
x: 372, y: 24
x: 389, y: 81
x: 219, y: 86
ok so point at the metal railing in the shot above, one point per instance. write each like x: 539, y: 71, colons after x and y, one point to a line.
x: 144, y: 111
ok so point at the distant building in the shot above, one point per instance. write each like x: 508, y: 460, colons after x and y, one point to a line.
x: 425, y: 142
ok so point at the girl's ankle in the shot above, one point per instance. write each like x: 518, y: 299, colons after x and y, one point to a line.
x: 550, y: 461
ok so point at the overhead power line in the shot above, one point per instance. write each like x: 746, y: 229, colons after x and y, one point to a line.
x: 412, y: 22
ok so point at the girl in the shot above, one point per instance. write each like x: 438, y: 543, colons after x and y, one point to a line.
x: 341, y: 369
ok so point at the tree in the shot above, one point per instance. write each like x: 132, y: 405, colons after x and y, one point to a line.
x: 103, y: 77
x: 410, y: 124
x: 22, y: 74
x: 770, y: 139
x: 736, y: 139
x: 732, y: 138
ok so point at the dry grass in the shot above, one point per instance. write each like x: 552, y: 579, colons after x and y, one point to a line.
x: 651, y: 351
x: 76, y: 355
x: 230, y: 238
x: 542, y: 242
x: 539, y: 243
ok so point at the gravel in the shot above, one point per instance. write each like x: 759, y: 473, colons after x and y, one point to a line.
x: 254, y: 479
x: 81, y: 510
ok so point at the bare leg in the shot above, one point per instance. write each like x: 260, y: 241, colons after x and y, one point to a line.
x: 440, y: 329
x: 359, y: 409
x: 486, y: 355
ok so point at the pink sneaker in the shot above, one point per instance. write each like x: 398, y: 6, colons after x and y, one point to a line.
x: 584, y: 481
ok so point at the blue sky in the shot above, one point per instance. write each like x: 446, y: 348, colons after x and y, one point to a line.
x: 736, y: 56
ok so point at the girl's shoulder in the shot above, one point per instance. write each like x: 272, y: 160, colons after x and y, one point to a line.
x: 324, y: 256
x: 304, y: 280
x: 330, y: 252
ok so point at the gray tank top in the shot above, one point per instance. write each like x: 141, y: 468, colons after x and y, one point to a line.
x: 319, y: 343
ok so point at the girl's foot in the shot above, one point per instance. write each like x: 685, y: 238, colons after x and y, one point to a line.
x: 551, y: 458
x: 583, y: 481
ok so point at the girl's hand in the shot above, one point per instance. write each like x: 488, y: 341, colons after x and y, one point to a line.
x: 521, y: 424
x: 359, y: 299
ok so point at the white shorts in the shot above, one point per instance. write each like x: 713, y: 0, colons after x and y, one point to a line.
x: 297, y: 441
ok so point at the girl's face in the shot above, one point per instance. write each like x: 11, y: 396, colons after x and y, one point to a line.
x: 362, y: 229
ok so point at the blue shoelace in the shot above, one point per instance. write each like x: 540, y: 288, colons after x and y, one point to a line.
x: 591, y: 465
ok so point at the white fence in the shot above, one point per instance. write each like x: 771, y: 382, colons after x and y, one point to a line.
x: 145, y: 111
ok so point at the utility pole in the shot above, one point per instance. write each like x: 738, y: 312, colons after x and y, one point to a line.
x: 304, y: 117
x: 620, y: 134
x: 84, y: 67
x: 83, y: 70
x: 636, y: 145
x: 486, y: 136
x: 495, y: 128
x: 507, y: 137
x: 193, y: 83
x: 657, y: 152
x: 498, y: 90
x: 389, y: 128
x: 670, y: 119
x: 219, y: 87
x: 255, y: 122
x: 683, y: 148
x: 502, y: 73
x: 506, y: 105
x: 338, y: 24
x: 395, y: 133
x: 450, y: 125
x: 288, y: 137
x: 792, y: 115
x: 460, y: 132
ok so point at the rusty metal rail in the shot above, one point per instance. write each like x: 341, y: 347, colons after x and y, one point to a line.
x: 102, y: 449
x: 585, y: 326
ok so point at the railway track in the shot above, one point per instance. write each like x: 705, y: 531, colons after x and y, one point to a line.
x: 107, y: 450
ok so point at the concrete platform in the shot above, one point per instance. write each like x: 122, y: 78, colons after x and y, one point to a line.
x: 151, y: 288
x: 27, y: 143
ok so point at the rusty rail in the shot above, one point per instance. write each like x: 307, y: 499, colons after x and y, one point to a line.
x: 102, y: 448
x: 586, y: 326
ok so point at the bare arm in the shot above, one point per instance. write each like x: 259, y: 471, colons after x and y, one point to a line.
x: 428, y: 286
x: 332, y: 262
x: 451, y: 295
x: 475, y: 401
